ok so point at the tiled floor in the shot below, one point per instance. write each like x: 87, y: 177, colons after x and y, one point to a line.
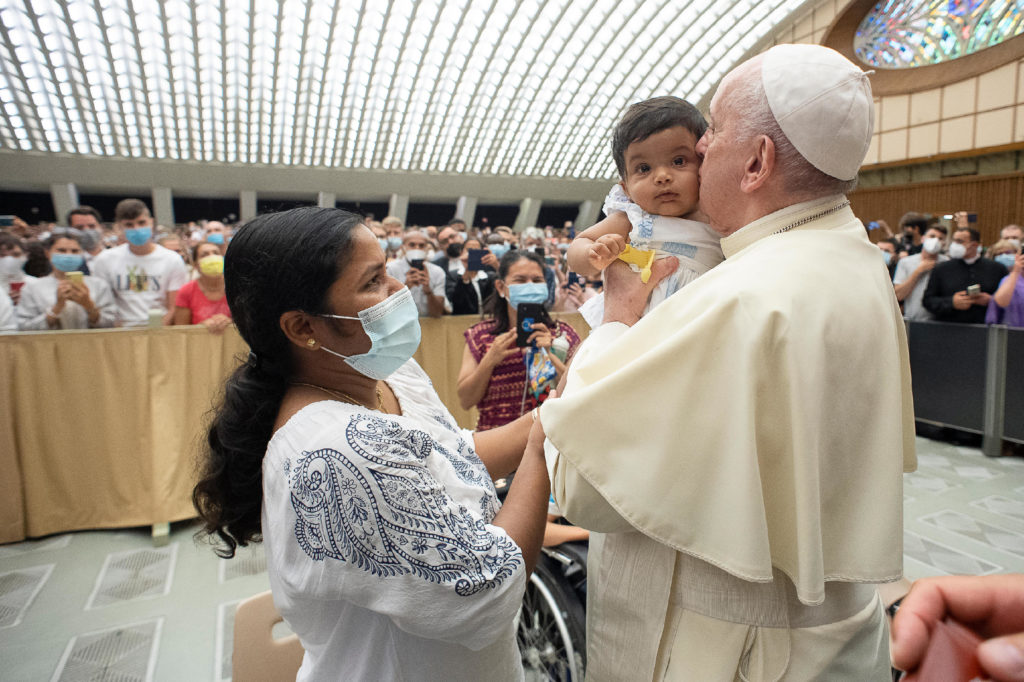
x: 109, y: 605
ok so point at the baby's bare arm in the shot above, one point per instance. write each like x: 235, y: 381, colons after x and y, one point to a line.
x: 581, y: 249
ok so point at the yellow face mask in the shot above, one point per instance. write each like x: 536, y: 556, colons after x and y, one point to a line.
x: 211, y: 265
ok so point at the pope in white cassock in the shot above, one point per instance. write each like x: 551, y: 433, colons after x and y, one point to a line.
x: 739, y: 451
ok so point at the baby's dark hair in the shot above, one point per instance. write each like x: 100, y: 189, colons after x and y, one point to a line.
x: 651, y: 116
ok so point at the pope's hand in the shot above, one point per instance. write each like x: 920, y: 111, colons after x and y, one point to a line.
x: 625, y: 294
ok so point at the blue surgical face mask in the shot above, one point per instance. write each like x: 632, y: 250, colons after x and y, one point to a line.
x: 530, y: 292
x: 393, y: 326
x: 886, y: 256
x: 394, y: 243
x: 67, y: 262
x: 138, y: 236
x: 1006, y: 260
x: 498, y: 250
x: 215, y: 238
x: 383, y: 243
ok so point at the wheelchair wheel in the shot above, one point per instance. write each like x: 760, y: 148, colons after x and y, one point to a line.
x: 552, y: 627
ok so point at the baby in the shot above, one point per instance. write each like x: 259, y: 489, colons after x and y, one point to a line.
x: 654, y: 205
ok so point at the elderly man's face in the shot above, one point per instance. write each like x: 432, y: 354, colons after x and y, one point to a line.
x: 722, y: 166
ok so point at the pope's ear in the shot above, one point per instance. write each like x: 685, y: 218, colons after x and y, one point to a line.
x: 760, y: 165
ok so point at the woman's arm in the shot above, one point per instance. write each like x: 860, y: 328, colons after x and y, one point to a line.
x: 1004, y: 294
x: 501, y: 449
x: 525, y: 512
x: 475, y: 377
x: 181, y: 315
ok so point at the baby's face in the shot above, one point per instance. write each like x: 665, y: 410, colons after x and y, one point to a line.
x: 661, y: 173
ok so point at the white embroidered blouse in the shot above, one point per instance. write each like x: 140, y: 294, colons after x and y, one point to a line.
x: 379, y: 546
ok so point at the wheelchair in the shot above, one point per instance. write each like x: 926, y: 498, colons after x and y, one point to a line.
x: 552, y: 620
x: 552, y: 626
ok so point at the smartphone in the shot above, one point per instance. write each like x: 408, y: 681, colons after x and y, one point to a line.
x: 475, y: 259
x: 6, y: 220
x: 549, y: 260
x: 579, y: 280
x: 75, y: 277
x: 528, y: 314
x: 873, y: 225
x: 417, y: 263
x: 974, y: 290
x: 539, y: 250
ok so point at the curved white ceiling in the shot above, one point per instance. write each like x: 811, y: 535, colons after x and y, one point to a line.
x: 526, y: 88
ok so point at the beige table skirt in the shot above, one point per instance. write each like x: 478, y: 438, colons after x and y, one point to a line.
x: 101, y: 428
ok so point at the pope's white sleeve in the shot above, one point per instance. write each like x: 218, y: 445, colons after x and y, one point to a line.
x: 579, y: 502
x: 366, y: 521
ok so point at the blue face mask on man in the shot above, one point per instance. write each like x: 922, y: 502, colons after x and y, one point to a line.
x: 393, y: 326
x: 138, y: 236
x: 67, y: 262
x: 530, y: 292
x: 394, y: 243
x: 498, y: 250
x: 215, y: 238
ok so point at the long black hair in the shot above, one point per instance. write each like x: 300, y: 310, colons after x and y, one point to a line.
x: 275, y: 263
x: 497, y: 307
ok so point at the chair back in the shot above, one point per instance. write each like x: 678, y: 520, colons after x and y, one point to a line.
x: 257, y: 656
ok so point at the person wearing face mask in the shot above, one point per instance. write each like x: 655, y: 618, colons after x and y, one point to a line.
x: 946, y: 295
x: 12, y: 266
x: 450, y: 244
x: 143, y: 275
x: 913, y: 273
x: 393, y: 231
x: 57, y: 301
x: 493, y: 374
x: 425, y: 280
x: 468, y: 289
x: 913, y: 227
x: 889, y: 257
x: 387, y: 549
x: 202, y: 300
x: 1007, y: 304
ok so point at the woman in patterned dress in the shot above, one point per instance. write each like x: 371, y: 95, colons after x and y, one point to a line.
x: 493, y: 373
x: 388, y: 552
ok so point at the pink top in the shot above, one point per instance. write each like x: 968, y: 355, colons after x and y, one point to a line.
x: 192, y: 297
x: 503, y: 401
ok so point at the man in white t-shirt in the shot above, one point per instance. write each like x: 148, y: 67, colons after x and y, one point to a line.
x: 143, y: 275
x: 424, y: 279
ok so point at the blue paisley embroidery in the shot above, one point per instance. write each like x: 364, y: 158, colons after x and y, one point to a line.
x: 392, y: 518
x: 440, y: 419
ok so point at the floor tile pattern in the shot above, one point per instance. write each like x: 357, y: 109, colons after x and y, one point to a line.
x: 125, y: 654
x: 17, y: 590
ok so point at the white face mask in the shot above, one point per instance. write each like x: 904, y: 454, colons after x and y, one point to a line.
x: 932, y: 245
x: 11, y: 265
x: 415, y: 254
x: 957, y: 250
x: 1015, y: 242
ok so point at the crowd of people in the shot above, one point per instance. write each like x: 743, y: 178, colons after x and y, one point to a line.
x: 941, y: 271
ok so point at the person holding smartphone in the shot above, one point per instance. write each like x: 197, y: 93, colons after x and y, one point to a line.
x: 424, y: 279
x: 470, y: 284
x: 493, y: 373
x: 66, y: 299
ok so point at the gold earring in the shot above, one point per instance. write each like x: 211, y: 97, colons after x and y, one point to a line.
x: 311, y: 342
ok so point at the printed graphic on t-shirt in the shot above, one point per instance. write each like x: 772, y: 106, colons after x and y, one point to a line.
x: 137, y: 280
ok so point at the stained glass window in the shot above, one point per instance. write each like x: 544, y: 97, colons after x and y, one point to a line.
x: 904, y: 34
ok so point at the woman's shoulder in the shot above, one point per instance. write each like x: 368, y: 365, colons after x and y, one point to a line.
x: 348, y: 432
x: 482, y: 331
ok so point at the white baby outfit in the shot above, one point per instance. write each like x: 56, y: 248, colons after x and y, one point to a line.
x: 694, y: 243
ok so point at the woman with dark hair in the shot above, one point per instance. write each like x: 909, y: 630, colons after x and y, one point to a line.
x: 493, y: 376
x: 387, y: 550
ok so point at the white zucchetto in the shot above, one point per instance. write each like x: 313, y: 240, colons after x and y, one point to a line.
x: 823, y: 104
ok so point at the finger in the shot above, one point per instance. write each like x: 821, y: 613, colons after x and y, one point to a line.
x: 661, y: 269
x: 540, y: 326
x: 990, y: 605
x: 1003, y: 658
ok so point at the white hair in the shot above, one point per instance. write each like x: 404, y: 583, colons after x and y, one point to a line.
x: 753, y: 117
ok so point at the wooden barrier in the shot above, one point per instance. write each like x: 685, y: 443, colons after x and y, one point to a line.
x: 101, y: 428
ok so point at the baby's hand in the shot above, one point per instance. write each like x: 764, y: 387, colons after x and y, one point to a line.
x: 605, y: 250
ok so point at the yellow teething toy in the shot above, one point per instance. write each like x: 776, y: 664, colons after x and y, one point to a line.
x: 641, y: 259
